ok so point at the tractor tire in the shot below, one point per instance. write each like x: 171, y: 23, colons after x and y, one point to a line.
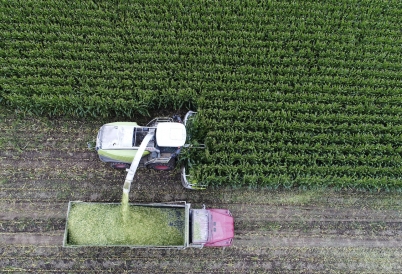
x: 162, y: 166
x: 119, y: 166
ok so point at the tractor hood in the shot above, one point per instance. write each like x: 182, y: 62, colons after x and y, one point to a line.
x: 221, y: 228
x: 170, y: 134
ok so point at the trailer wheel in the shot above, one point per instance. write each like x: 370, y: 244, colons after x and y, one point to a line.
x: 119, y: 165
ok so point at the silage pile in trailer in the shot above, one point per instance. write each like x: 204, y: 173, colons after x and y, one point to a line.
x: 104, y: 224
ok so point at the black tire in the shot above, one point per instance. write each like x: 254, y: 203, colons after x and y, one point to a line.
x: 163, y: 166
x: 119, y: 166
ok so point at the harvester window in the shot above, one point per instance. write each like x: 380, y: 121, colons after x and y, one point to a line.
x: 139, y: 135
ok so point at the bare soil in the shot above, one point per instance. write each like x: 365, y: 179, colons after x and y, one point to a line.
x: 46, y: 163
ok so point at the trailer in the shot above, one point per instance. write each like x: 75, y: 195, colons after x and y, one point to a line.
x: 156, y: 225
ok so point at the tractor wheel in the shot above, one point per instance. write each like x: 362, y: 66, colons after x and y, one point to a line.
x: 119, y: 165
x: 162, y: 166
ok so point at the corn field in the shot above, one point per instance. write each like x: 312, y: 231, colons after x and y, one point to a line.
x: 289, y: 93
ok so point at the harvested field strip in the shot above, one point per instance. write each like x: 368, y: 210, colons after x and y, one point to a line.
x: 324, y: 229
x: 274, y: 208
x: 57, y: 183
x: 288, y: 213
x: 48, y: 163
x: 57, y: 174
x: 297, y: 240
x: 46, y: 147
x: 43, y: 144
x: 60, y: 196
x: 354, y: 259
x: 51, y: 154
x: 12, y: 210
x: 30, y: 251
x: 53, y: 238
x: 78, y: 134
x: 52, y: 172
x: 30, y: 225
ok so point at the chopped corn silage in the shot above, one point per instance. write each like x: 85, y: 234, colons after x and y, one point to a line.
x: 96, y: 224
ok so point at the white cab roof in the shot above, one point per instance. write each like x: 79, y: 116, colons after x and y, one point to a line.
x: 170, y: 134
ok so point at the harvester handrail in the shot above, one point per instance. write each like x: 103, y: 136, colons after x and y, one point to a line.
x: 188, y: 115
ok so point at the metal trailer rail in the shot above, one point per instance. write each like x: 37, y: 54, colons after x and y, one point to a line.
x: 186, y: 232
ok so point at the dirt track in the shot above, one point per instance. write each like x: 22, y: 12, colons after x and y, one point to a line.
x: 44, y: 164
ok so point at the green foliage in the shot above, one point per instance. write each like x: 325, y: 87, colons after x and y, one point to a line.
x: 288, y: 93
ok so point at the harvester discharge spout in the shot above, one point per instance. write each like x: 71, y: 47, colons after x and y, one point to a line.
x: 136, y: 161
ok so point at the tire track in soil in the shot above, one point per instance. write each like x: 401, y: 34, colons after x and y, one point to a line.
x: 48, y: 155
x: 12, y: 210
x: 232, y: 260
x: 283, y: 260
x: 276, y: 226
x: 49, y: 163
x: 302, y: 240
x: 54, y: 238
x: 296, y: 213
x: 31, y: 225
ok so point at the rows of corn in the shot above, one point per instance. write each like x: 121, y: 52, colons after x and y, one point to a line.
x: 319, y: 103
x: 288, y: 93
